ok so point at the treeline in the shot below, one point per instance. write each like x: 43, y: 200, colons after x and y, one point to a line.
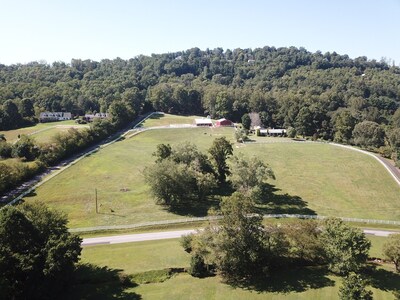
x: 321, y: 95
x: 240, y: 248
x: 42, y: 155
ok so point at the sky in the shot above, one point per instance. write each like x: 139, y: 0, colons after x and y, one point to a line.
x: 59, y: 30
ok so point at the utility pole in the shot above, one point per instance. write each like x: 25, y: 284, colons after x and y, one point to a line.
x: 95, y: 192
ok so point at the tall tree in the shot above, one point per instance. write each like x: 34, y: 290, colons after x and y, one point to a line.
x: 37, y: 253
x: 343, y: 126
x: 246, y: 121
x: 354, y: 288
x: 391, y: 249
x: 11, y: 117
x: 368, y: 134
x: 249, y: 176
x: 220, y: 150
x: 238, y: 248
x: 346, y: 247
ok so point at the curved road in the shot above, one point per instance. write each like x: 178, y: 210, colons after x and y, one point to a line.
x: 153, y: 236
x: 393, y: 171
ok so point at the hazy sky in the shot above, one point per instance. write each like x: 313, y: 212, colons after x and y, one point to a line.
x: 59, y: 30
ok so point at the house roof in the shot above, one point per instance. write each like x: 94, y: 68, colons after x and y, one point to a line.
x: 276, y: 130
x: 223, y: 119
x: 203, y: 121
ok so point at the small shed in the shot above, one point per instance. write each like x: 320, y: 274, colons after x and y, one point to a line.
x: 203, y: 122
x: 223, y: 122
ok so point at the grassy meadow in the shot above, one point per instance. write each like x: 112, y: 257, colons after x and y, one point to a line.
x: 42, y: 132
x: 303, y: 283
x: 117, y: 173
x: 310, y: 178
x: 330, y: 180
x: 167, y: 119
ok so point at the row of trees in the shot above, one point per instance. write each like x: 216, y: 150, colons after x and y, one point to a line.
x: 61, y: 146
x: 241, y: 249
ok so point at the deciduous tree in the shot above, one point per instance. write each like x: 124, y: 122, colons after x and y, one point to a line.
x: 391, y: 249
x: 346, y: 248
x: 354, y: 288
x: 37, y: 253
x: 220, y: 150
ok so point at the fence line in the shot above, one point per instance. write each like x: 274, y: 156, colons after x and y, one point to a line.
x: 199, y: 219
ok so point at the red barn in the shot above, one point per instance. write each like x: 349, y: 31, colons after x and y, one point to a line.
x: 223, y: 122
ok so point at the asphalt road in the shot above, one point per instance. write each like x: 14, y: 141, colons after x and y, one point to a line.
x: 130, y: 238
x: 139, y: 237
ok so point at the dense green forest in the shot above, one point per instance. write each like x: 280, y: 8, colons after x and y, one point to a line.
x: 321, y: 95
x: 289, y: 86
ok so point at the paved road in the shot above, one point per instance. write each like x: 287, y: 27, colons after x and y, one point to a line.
x: 130, y: 238
x: 136, y: 237
x: 393, y: 171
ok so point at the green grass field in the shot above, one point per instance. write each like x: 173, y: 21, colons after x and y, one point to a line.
x: 131, y: 258
x: 332, y: 181
x: 317, y: 178
x: 41, y: 131
x: 167, y: 119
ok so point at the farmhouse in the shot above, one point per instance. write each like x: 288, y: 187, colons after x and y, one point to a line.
x: 273, y: 132
x: 54, y: 116
x: 91, y: 117
x: 223, y: 122
x: 203, y: 122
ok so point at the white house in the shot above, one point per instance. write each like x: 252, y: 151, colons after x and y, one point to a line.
x: 91, y: 117
x: 273, y: 132
x: 54, y: 116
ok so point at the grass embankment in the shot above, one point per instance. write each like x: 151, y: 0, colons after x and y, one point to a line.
x: 149, y: 262
x: 316, y: 178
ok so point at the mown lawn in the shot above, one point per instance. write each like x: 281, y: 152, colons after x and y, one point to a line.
x: 138, y: 257
x: 12, y: 135
x: 316, y: 178
x: 167, y: 119
x: 46, y: 135
x: 330, y: 180
x: 303, y: 283
x: 117, y: 173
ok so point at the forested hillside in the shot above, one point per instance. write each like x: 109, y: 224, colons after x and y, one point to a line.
x: 324, y: 95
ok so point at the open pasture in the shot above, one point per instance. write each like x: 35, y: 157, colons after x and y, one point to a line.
x: 301, y: 283
x: 42, y: 132
x: 159, y: 119
x: 310, y: 178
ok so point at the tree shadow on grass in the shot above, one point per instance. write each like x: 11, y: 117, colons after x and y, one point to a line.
x: 197, y: 209
x: 274, y: 203
x: 94, y: 282
x: 156, y: 116
x: 31, y: 194
x: 383, y: 279
x: 271, y: 203
x: 294, y: 280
